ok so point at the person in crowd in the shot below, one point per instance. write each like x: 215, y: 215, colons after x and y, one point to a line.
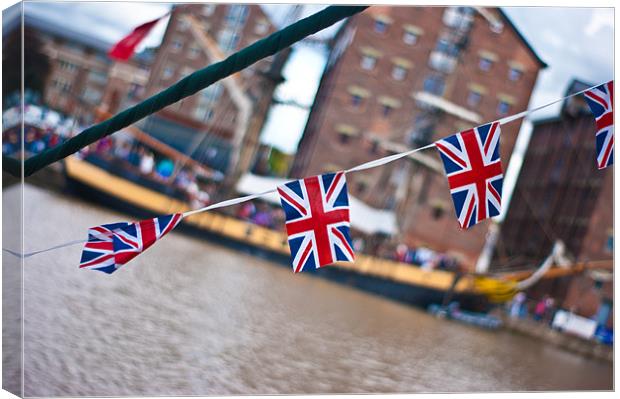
x: 262, y: 217
x: 549, y: 309
x: 122, y: 150
x: 34, y: 142
x: 204, y: 199
x: 164, y: 168
x: 402, y: 253
x: 51, y: 138
x: 278, y: 218
x: 193, y: 195
x: 135, y: 155
x: 184, y: 178
x: 517, y: 305
x: 10, y: 144
x: 104, y: 146
x: 246, y: 210
x: 147, y: 162
x: 424, y: 257
x: 541, y: 307
x: 358, y: 244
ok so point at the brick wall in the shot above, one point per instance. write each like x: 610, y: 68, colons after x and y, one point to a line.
x: 342, y: 130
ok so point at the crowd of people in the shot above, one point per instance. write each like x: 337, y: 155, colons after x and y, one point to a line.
x: 541, y: 310
x: 262, y: 214
x: 425, y: 258
x: 43, y: 129
x: 198, y: 190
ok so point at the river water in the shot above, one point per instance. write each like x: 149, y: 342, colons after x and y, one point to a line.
x: 188, y: 317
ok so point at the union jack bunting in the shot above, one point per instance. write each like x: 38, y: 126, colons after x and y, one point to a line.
x: 317, y: 220
x: 472, y: 164
x: 110, y: 246
x: 601, y: 102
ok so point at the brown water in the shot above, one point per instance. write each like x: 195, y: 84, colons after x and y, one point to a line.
x: 190, y: 317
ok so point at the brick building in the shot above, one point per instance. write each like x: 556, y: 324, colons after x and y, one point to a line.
x: 402, y: 77
x: 212, y: 111
x: 81, y: 73
x: 560, y: 193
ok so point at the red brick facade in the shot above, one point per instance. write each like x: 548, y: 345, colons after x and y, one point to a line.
x: 233, y: 27
x: 360, y: 107
x: 560, y: 193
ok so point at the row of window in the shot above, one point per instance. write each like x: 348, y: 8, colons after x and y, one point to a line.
x: 61, y: 84
x: 346, y: 133
x: 438, y: 60
x: 454, y: 17
x: 434, y: 84
x: 387, y: 105
x: 235, y: 19
x: 67, y: 65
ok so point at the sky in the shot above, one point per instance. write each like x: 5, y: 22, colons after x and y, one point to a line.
x: 575, y: 42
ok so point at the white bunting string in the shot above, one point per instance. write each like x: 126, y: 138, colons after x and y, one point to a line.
x: 29, y: 254
x: 367, y: 165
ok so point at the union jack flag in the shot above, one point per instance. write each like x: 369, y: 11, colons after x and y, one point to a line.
x: 317, y: 220
x: 601, y: 102
x: 474, y: 170
x: 110, y: 246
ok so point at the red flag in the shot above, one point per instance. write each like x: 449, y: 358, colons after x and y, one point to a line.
x: 124, y: 49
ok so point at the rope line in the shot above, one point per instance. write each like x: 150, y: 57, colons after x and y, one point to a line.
x: 185, y: 87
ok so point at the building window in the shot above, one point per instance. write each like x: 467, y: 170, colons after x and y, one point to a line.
x: 368, y: 62
x: 228, y: 39
x: 91, y: 95
x: 473, y: 98
x: 410, y: 38
x: 67, y: 66
x: 358, y: 94
x: 485, y: 64
x: 261, y: 27
x: 458, y: 17
x: 97, y: 76
x: 237, y: 14
x: 438, y: 211
x: 183, y: 25
x: 380, y: 26
x: 194, y: 51
x: 435, y: 84
x: 176, y: 45
x: 185, y: 71
x: 609, y: 245
x: 356, y: 100
x: 168, y: 72
x: 208, y: 9
x: 374, y: 147
x: 445, y: 46
x: 345, y: 132
x: 62, y: 84
x: 514, y: 74
x: 386, y: 110
x: 361, y: 187
x: 503, y: 107
x: 399, y: 72
x: 206, y: 100
x: 135, y: 90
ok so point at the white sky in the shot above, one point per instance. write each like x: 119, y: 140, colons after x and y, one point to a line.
x: 575, y: 42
